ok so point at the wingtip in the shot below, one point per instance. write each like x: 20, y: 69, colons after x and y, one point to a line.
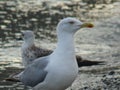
x: 90, y: 63
x: 12, y: 79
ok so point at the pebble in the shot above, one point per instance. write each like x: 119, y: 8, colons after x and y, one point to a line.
x: 111, y: 73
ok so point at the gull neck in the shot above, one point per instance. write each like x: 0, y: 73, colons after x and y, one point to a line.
x: 65, y: 44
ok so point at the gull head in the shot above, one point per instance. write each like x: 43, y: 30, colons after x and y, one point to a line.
x: 72, y: 25
x: 28, y: 35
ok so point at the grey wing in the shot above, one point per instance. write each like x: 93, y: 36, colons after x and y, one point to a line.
x: 35, y: 72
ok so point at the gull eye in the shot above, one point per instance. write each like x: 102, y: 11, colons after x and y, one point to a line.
x: 71, y: 22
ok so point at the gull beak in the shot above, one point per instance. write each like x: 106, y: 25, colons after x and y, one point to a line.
x: 87, y: 25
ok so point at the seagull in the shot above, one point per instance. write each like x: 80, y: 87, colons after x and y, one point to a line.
x: 58, y: 70
x: 30, y: 51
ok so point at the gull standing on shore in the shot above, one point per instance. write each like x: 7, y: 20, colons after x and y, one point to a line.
x: 58, y: 70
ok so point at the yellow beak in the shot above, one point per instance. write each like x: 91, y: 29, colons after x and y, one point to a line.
x: 87, y: 25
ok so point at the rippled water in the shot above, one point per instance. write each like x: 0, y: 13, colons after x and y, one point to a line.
x: 42, y: 17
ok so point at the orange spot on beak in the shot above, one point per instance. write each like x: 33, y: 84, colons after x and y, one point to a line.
x: 87, y: 25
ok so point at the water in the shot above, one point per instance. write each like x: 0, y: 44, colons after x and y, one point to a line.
x: 41, y: 17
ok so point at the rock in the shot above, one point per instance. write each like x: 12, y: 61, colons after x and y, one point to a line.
x: 111, y: 73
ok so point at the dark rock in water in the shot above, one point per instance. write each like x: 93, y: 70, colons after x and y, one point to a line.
x: 86, y: 88
x: 111, y: 73
x: 104, y: 76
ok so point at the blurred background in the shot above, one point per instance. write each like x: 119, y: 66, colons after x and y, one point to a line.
x: 42, y: 16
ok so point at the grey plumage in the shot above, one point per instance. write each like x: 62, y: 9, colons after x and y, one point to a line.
x: 36, y: 72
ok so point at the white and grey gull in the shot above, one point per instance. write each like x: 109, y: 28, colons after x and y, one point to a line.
x: 58, y: 70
